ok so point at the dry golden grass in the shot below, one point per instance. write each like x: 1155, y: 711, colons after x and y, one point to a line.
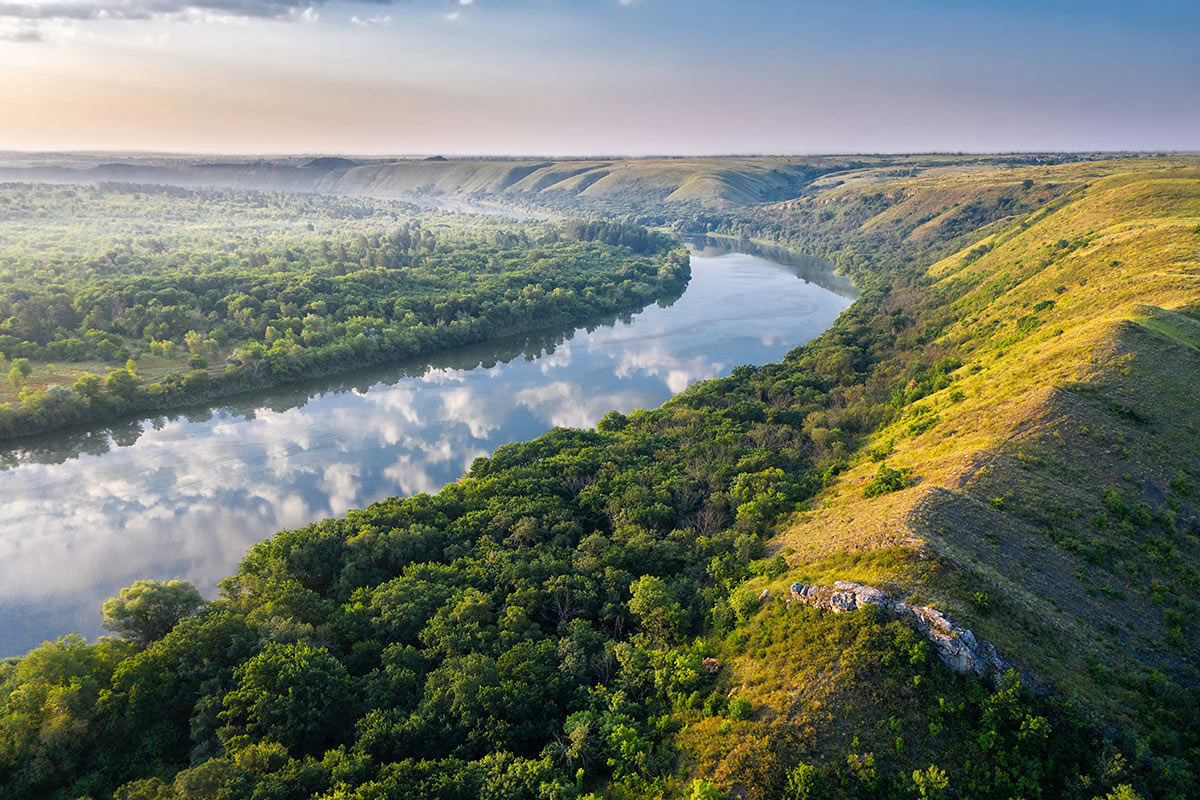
x: 1080, y: 374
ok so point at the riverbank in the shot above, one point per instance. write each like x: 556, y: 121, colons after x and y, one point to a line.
x: 122, y: 393
x: 229, y: 475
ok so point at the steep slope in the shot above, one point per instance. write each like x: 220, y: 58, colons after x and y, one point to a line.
x: 1051, y: 463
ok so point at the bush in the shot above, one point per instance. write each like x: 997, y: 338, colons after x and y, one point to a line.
x: 744, y: 601
x: 740, y: 708
x: 703, y: 790
x: 803, y: 783
x: 886, y: 481
x: 982, y: 602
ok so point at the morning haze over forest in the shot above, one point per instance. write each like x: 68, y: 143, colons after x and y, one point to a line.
x: 604, y: 399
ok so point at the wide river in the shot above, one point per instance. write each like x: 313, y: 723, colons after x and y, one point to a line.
x: 185, y: 495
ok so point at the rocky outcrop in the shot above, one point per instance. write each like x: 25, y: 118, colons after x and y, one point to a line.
x: 842, y: 596
x: 955, y: 645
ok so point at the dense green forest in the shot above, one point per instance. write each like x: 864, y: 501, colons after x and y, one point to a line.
x: 117, y: 298
x: 603, y: 613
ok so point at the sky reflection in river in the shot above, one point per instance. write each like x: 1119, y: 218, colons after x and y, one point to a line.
x: 88, y: 513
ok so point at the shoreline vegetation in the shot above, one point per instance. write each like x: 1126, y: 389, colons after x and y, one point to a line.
x: 214, y: 319
x: 999, y: 428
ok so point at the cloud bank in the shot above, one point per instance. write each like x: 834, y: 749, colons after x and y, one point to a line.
x: 33, y: 21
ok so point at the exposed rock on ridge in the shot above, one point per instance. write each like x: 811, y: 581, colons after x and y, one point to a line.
x: 956, y: 646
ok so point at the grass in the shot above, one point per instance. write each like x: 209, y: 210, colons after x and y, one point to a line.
x: 1081, y: 372
x: 1173, y: 325
x: 150, y: 368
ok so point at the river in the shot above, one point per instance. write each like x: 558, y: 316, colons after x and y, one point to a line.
x: 184, y: 495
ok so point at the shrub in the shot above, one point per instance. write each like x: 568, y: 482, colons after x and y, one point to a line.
x: 740, y: 708
x: 886, y: 481
x: 772, y: 568
x: 803, y: 783
x: 744, y: 601
x: 982, y: 602
x: 703, y: 790
x: 932, y: 783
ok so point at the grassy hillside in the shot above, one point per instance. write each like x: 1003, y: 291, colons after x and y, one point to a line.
x: 1071, y: 410
x: 1050, y: 464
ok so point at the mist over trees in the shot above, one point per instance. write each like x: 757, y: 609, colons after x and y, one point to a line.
x: 211, y: 299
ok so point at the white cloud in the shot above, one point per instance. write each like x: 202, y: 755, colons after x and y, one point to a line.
x: 33, y: 21
x: 375, y: 21
x: 340, y: 482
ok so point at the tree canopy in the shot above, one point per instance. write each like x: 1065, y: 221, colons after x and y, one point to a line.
x: 148, y: 610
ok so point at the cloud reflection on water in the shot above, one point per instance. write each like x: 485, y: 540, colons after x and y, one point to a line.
x: 88, y: 513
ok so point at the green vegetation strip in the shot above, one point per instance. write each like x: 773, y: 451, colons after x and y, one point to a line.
x: 117, y: 299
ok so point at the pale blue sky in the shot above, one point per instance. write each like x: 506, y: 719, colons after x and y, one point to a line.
x: 598, y: 76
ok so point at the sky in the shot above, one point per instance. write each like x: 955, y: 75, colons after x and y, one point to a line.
x: 599, y: 77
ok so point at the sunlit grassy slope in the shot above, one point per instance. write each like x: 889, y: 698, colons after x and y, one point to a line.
x: 1056, y: 472
x: 1052, y: 485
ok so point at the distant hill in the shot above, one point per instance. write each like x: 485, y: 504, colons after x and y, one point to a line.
x: 329, y: 163
x: 714, y: 182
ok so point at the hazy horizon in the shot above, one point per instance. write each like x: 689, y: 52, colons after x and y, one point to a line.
x: 615, y: 77
x: 517, y: 156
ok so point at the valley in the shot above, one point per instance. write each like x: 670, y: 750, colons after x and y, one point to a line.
x: 999, y: 428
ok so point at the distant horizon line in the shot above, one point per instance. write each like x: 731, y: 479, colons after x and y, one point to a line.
x: 576, y: 156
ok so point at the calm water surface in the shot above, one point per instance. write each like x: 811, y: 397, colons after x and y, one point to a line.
x: 184, y: 496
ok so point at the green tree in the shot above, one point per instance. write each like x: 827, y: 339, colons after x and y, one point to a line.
x: 294, y: 694
x: 1122, y: 792
x: 88, y: 386
x: 703, y: 790
x: 931, y: 784
x: 21, y: 370
x: 145, y: 789
x: 146, y: 611
x: 121, y: 383
x: 655, y: 607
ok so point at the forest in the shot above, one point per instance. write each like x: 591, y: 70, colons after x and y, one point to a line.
x: 542, y: 629
x: 604, y: 612
x: 118, y: 299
